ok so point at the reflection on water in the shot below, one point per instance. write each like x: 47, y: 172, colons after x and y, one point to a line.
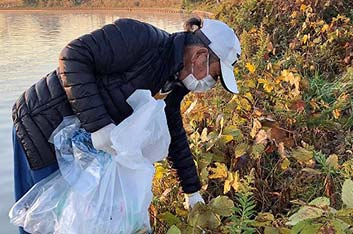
x: 30, y: 43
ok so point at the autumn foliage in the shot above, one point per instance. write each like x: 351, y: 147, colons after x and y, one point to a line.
x: 278, y: 153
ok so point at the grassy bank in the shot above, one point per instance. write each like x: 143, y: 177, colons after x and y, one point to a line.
x: 281, y: 151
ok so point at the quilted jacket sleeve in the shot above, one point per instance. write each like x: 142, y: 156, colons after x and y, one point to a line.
x: 111, y: 49
x: 179, y: 151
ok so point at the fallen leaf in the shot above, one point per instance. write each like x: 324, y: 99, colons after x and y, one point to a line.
x: 303, y: 7
x: 336, y: 113
x: 347, y: 193
x: 160, y: 171
x: 174, y: 230
x: 169, y: 218
x: 266, y: 216
x: 255, y: 128
x: 302, y: 155
x: 227, y: 182
x: 226, y: 138
x: 250, y: 67
x: 309, y: 212
x: 240, y: 150
x: 222, y: 205
x: 220, y: 172
x: 261, y: 137
x: 325, y: 28
x: 204, y: 135
x: 311, y: 171
x: 277, y: 134
x: 236, y: 181
x: 281, y: 150
x: 285, y: 164
x: 203, y: 216
x: 332, y: 161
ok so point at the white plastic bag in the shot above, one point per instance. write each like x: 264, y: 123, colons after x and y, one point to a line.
x: 96, y: 193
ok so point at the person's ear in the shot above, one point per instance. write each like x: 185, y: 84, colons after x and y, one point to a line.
x: 200, y: 55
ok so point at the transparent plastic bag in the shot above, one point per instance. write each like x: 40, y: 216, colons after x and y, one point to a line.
x: 94, y: 192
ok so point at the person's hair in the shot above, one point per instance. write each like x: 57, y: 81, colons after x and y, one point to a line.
x: 190, y: 26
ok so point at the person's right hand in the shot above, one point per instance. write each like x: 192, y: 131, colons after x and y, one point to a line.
x: 192, y: 199
x: 101, y: 139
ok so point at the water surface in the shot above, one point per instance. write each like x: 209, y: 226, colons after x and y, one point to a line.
x: 30, y: 43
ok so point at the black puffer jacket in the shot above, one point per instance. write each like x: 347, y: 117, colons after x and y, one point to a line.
x: 97, y: 73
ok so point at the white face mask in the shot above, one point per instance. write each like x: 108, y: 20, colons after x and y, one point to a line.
x: 199, y: 86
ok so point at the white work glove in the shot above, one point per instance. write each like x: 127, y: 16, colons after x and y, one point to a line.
x: 191, y: 200
x: 101, y: 139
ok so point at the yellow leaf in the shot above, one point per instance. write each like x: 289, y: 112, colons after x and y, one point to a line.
x: 185, y: 105
x: 250, y: 67
x: 305, y: 39
x: 181, y: 212
x: 294, y: 14
x: 302, y: 155
x: 262, y: 217
x: 236, y: 70
x: 336, y: 113
x: 253, y: 30
x: 255, y: 128
x: 232, y: 181
x: 287, y: 76
x: 321, y: 22
x: 325, y: 28
x: 232, y: 130
x: 220, y: 172
x: 281, y: 150
x: 226, y: 138
x: 227, y: 182
x: 249, y: 83
x: 257, y: 112
x: 249, y: 97
x: 257, y: 150
x: 261, y: 137
x: 303, y: 7
x: 317, y: 40
x: 240, y: 150
x: 268, y: 87
x: 311, y: 171
x: 244, y: 104
x: 262, y: 81
x: 222, y: 122
x: 204, y: 135
x: 160, y: 170
x: 285, y: 164
x: 236, y: 181
x: 332, y: 161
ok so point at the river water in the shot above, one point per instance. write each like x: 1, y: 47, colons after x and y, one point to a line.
x: 30, y: 43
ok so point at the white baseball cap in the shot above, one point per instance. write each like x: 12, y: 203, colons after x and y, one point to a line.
x: 222, y: 40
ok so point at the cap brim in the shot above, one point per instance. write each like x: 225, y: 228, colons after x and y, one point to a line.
x: 228, y: 78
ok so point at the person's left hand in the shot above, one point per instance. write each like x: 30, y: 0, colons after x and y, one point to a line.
x: 101, y: 139
x: 192, y: 199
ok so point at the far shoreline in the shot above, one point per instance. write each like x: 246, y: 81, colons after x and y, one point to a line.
x: 104, y: 9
